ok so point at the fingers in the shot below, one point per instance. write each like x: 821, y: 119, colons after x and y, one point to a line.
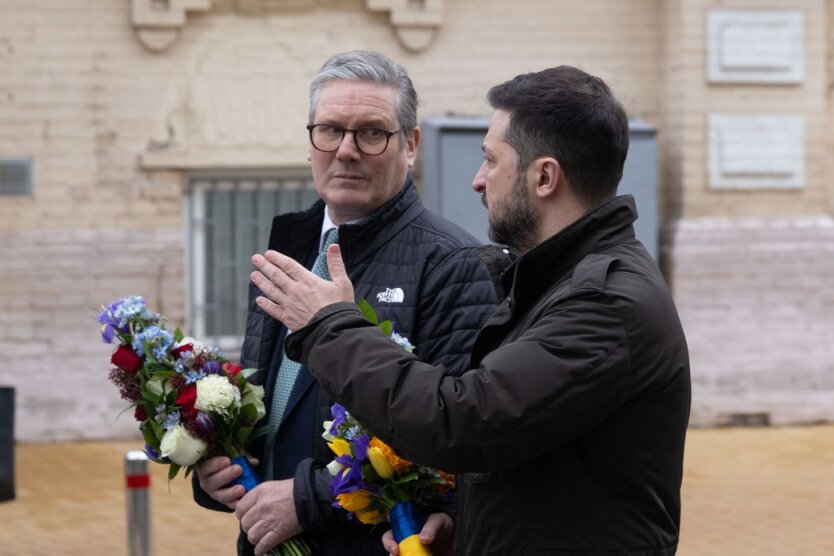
x: 212, y: 465
x: 434, y: 524
x: 266, y: 543
x: 244, y: 505
x: 215, y: 474
x: 390, y: 544
x: 335, y: 264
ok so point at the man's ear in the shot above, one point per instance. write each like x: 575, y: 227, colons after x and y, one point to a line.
x: 548, y: 177
x: 411, y: 144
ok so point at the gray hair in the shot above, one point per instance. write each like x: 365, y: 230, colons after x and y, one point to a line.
x: 370, y: 67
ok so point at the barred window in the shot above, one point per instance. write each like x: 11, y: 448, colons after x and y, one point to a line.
x: 229, y: 220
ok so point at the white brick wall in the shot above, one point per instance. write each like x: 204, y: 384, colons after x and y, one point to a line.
x: 53, y: 284
x: 111, y: 127
x: 756, y: 301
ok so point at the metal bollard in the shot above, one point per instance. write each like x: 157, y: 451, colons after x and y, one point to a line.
x: 138, y: 484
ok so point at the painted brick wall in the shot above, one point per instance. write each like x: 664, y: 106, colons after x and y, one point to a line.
x: 756, y: 302
x: 114, y: 129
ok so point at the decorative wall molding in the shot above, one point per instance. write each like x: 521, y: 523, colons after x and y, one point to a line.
x: 756, y: 46
x: 749, y: 151
x: 158, y: 22
x: 415, y: 21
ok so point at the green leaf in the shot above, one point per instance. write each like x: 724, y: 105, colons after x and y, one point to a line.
x: 178, y: 335
x: 249, y: 413
x: 150, y: 438
x: 368, y: 311
x: 386, y: 327
x: 248, y: 372
x: 173, y: 470
x: 260, y: 431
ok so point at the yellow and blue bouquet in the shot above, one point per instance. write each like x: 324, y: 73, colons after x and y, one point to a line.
x: 372, y: 482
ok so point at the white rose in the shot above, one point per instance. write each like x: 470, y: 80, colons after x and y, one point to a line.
x: 180, y: 447
x: 216, y: 394
x: 254, y: 394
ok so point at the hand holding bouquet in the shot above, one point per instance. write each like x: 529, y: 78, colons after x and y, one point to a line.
x: 190, y: 401
x: 372, y: 482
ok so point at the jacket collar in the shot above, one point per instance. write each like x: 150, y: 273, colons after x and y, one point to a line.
x: 382, y: 225
x: 535, y: 272
x: 295, y: 234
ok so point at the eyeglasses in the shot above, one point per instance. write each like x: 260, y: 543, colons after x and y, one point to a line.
x: 370, y: 141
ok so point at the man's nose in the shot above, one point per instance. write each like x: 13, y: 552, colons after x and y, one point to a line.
x: 479, y: 181
x: 347, y: 148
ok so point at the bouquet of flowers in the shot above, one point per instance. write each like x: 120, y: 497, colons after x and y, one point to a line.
x: 191, y: 402
x: 372, y: 482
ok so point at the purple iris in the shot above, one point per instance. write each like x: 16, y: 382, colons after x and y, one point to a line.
x: 340, y: 414
x: 204, y: 422
x: 348, y: 479
x: 110, y: 324
x: 360, y: 447
x: 151, y: 453
x: 211, y: 367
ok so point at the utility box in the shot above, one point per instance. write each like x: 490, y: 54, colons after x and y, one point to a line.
x: 451, y: 155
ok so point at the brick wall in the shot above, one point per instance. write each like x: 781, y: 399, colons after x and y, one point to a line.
x: 114, y: 128
x: 756, y: 302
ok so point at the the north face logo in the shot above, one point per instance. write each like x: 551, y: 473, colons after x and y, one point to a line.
x: 391, y: 295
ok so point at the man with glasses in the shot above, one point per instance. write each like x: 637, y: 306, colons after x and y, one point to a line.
x: 415, y: 268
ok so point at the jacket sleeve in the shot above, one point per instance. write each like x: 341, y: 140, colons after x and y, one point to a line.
x: 457, y: 298
x: 566, y: 372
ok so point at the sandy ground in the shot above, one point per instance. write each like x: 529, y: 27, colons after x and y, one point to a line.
x: 755, y: 491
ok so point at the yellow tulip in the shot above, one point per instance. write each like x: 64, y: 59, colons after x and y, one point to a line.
x: 380, y: 463
x: 370, y: 517
x: 340, y: 446
x: 354, y: 501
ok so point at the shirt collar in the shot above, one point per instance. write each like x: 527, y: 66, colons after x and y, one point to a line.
x: 326, y: 226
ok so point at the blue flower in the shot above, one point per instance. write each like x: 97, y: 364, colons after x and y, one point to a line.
x: 172, y: 420
x: 158, y: 340
x: 193, y: 376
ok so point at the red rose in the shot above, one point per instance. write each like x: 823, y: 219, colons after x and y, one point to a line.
x: 126, y: 359
x: 140, y: 414
x: 231, y: 369
x: 182, y: 349
x: 186, y: 399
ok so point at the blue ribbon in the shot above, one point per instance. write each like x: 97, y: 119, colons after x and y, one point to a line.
x: 405, y: 520
x: 249, y: 479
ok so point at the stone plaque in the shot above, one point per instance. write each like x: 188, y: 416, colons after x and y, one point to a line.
x: 755, y: 46
x: 756, y: 151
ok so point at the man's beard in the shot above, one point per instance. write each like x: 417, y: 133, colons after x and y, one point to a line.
x: 514, y: 222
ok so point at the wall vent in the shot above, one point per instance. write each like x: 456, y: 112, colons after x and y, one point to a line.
x: 15, y: 176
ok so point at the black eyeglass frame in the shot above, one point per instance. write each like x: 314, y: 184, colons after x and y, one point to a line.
x: 388, y: 135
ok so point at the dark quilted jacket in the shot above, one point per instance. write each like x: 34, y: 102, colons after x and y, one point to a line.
x: 416, y: 269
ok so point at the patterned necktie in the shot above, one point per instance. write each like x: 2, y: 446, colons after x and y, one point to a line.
x: 289, y: 368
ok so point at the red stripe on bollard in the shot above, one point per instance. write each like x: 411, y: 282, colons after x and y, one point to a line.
x: 138, y: 481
